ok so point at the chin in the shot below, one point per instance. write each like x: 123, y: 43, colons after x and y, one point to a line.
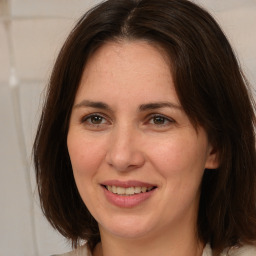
x: 128, y: 227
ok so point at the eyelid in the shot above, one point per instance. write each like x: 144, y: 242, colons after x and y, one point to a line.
x: 86, y: 117
x: 148, y: 119
x: 169, y: 119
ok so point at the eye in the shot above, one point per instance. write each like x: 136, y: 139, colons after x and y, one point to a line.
x: 160, y: 120
x: 94, y: 120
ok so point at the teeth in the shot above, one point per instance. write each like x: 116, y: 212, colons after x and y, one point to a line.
x: 137, y: 190
x: 114, y: 189
x: 120, y: 190
x: 128, y: 191
x: 143, y: 189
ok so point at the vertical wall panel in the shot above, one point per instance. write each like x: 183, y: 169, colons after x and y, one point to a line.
x: 237, y: 19
x: 31, y: 94
x: 16, y: 232
x: 47, y: 8
x: 36, y: 45
x: 4, y: 56
x: 239, y: 25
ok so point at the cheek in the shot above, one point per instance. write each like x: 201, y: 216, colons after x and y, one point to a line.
x: 181, y: 164
x: 180, y: 156
x: 85, y: 154
x: 86, y: 157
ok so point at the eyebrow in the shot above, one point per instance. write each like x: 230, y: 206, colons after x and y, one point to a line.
x: 143, y: 107
x: 157, y: 105
x: 93, y: 104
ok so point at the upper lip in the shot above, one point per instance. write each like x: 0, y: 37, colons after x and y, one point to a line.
x: 127, y: 184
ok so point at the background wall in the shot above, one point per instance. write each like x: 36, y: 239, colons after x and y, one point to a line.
x: 31, y: 34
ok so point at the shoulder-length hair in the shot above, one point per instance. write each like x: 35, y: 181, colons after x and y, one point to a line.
x: 211, y: 89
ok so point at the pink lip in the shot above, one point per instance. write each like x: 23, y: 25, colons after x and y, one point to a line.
x: 127, y: 184
x: 127, y: 201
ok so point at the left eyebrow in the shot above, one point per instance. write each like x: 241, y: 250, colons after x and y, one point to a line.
x: 157, y: 105
x: 92, y: 104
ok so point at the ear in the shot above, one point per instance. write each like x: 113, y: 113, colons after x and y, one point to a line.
x: 212, y: 161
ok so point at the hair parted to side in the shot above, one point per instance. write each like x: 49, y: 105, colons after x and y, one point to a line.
x: 211, y: 89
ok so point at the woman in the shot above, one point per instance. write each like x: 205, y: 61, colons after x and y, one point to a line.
x: 146, y: 140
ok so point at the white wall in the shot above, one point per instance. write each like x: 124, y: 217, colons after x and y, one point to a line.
x: 31, y: 34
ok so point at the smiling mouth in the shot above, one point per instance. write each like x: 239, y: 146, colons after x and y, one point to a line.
x: 130, y: 191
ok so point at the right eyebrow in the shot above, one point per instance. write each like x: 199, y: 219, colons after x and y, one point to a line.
x: 158, y: 105
x: 92, y: 104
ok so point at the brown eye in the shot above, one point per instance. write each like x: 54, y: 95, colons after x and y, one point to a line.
x: 94, y: 119
x: 159, y: 120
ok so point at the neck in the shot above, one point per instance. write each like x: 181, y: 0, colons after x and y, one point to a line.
x: 165, y: 243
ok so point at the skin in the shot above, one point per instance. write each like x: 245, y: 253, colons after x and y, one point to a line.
x: 128, y: 142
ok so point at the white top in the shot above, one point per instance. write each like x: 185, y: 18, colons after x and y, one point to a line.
x: 246, y: 250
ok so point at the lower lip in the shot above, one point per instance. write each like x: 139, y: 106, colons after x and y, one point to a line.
x: 127, y: 201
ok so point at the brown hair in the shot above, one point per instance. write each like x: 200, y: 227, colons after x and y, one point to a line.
x: 211, y: 89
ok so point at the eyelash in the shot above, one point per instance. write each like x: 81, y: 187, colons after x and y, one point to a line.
x: 94, y: 115
x: 164, y: 118
x: 150, y: 120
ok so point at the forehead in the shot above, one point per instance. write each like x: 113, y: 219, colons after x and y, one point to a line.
x: 127, y: 64
x: 125, y: 52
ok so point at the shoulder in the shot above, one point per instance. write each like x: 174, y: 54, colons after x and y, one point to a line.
x: 80, y: 251
x: 244, y: 250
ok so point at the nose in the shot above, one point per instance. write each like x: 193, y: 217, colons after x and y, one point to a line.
x: 124, y: 151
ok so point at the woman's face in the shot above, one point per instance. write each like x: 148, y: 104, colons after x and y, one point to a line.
x: 137, y: 160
